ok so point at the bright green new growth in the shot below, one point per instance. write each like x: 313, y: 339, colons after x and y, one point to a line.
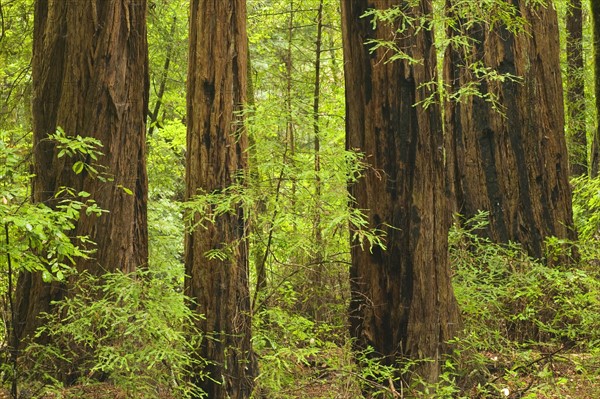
x: 452, y: 23
x: 35, y: 234
x: 132, y: 330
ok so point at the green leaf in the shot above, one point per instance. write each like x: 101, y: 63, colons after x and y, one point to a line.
x: 78, y: 167
x: 125, y: 189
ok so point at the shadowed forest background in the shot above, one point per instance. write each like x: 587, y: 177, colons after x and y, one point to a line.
x: 299, y: 199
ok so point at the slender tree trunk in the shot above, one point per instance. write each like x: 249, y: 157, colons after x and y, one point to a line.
x: 335, y: 71
x: 317, y: 274
x: 595, y: 158
x: 508, y: 156
x: 290, y: 124
x: 216, y: 156
x: 90, y: 77
x: 258, y: 246
x: 402, y: 300
x: 163, y: 79
x: 577, y: 135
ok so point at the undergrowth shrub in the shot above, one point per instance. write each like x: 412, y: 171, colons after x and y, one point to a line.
x: 586, y: 215
x: 123, y: 329
x: 529, y: 324
x: 520, y: 314
x: 285, y: 343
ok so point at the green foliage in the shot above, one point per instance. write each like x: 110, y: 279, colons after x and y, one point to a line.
x: 36, y: 235
x: 285, y: 342
x: 301, y: 358
x: 404, y: 22
x: 84, y: 152
x: 453, y: 24
x: 586, y: 115
x: 166, y: 163
x: 16, y: 27
x: 586, y: 215
x: 167, y: 48
x: 515, y: 297
x: 520, y: 314
x: 130, y: 330
x: 299, y: 212
x: 586, y: 207
x: 166, y: 147
x: 385, y: 380
x: 528, y: 326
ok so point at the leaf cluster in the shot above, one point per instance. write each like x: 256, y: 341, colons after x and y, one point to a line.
x: 37, y: 235
x: 520, y: 314
x: 130, y: 330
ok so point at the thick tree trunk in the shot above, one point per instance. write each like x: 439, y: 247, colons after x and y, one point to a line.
x: 595, y: 158
x: 90, y: 78
x: 511, y: 161
x: 578, y: 155
x: 216, y: 155
x: 402, y: 300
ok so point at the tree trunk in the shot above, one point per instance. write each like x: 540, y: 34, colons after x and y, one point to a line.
x: 578, y: 155
x: 317, y: 271
x: 402, y: 300
x: 163, y: 80
x: 508, y: 156
x: 595, y: 158
x: 216, y: 155
x: 290, y: 138
x: 90, y: 77
x: 257, y: 245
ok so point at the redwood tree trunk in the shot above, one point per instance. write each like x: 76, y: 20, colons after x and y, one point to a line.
x: 402, y: 302
x: 216, y: 155
x: 578, y: 155
x: 595, y: 158
x: 90, y: 78
x: 511, y: 161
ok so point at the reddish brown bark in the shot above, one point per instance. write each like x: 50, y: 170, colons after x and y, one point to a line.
x: 216, y: 156
x: 402, y: 300
x: 511, y: 161
x: 90, y: 78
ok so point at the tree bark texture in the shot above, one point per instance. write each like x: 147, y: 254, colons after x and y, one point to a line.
x: 402, y: 302
x: 577, y: 134
x: 511, y: 161
x: 216, y: 156
x: 90, y: 78
x: 595, y: 156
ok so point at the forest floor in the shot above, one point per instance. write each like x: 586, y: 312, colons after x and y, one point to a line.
x: 567, y: 382
x: 560, y: 378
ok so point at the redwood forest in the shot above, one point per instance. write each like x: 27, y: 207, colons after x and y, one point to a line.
x: 277, y: 199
